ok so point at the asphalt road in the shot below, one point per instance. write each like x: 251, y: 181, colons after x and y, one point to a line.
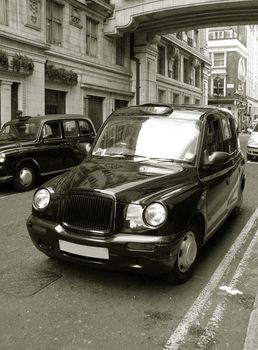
x: 48, y: 304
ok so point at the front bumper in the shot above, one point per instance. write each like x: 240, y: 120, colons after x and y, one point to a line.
x: 252, y: 151
x: 5, y: 178
x: 144, y: 253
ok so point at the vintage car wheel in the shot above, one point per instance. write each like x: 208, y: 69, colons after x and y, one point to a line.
x: 24, y: 178
x: 186, y: 256
x: 237, y: 208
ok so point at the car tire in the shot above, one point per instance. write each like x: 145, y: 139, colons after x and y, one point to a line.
x: 49, y: 255
x: 237, y: 208
x: 186, y: 256
x: 24, y: 178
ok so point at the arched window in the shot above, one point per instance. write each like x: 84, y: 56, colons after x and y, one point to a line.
x: 241, y: 73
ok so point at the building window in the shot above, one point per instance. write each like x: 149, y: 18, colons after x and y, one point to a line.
x: 187, y: 100
x: 187, y: 72
x: 161, y: 96
x: 54, y: 102
x: 161, y: 60
x: 197, y: 76
x: 218, y: 35
x: 175, y: 69
x: 3, y: 12
x: 91, y: 37
x: 219, y: 59
x: 120, y: 51
x: 54, y: 22
x: 218, y: 86
x: 176, y: 98
x: 120, y: 103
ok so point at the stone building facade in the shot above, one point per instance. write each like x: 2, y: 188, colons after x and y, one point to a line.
x: 233, y: 81
x: 56, y: 58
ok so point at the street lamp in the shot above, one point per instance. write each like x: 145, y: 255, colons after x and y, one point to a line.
x: 217, y: 86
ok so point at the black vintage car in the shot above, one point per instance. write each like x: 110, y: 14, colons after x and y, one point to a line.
x: 44, y: 145
x: 157, y: 183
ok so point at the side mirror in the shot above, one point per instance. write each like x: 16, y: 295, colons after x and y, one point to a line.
x: 249, y: 130
x: 217, y: 158
x: 84, y: 147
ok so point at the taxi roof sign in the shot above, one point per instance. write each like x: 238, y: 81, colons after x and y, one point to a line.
x: 144, y: 110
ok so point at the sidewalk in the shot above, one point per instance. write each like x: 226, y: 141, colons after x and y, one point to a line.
x: 251, y: 340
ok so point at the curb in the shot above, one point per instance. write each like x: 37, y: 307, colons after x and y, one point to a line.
x: 251, y: 340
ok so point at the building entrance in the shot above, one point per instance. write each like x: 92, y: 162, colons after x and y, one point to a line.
x: 94, y: 110
x: 14, y: 100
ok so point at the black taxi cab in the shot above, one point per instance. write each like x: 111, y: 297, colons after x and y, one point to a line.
x: 42, y: 145
x: 157, y: 183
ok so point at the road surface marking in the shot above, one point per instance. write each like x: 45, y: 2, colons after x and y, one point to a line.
x: 203, y: 300
x: 217, y: 316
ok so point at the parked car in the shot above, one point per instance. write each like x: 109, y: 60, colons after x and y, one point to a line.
x: 158, y: 181
x: 252, y: 144
x: 44, y: 145
x: 251, y: 126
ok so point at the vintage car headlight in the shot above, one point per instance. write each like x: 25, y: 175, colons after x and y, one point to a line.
x: 155, y: 214
x: 2, y: 157
x: 41, y: 199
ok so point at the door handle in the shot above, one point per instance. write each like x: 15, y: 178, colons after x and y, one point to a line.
x: 227, y: 180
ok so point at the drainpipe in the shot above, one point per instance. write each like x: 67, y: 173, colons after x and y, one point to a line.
x: 137, y: 63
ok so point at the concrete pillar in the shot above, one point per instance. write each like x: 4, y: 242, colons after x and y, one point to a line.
x: 145, y: 50
x: 181, y: 68
x: 205, y: 82
x: 5, y: 101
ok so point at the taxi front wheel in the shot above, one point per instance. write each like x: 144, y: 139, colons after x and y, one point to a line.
x: 24, y: 178
x: 186, y: 256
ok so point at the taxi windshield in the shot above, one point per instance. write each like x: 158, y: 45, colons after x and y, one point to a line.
x: 161, y: 139
x: 17, y: 131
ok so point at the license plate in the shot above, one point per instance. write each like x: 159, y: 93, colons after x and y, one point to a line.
x: 84, y: 250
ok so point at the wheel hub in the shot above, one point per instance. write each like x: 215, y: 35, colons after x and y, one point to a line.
x: 187, y: 252
x: 25, y: 177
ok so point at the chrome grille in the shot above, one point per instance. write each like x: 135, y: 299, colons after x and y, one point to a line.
x: 89, y: 212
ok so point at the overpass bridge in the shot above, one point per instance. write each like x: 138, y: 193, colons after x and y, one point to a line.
x: 147, y: 20
x: 170, y: 16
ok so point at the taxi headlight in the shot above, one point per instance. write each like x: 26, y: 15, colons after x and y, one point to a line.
x: 2, y: 157
x: 155, y: 214
x: 41, y: 199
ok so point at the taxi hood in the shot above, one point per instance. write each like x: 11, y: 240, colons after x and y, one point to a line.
x: 126, y: 180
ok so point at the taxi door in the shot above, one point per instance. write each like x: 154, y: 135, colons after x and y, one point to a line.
x: 216, y: 177
x: 50, y: 151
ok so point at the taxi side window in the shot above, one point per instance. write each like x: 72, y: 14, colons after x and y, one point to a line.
x: 70, y: 128
x: 229, y: 135
x: 52, y: 130
x: 213, y: 137
x: 234, y: 139
x: 85, y: 128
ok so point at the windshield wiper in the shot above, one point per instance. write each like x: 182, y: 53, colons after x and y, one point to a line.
x: 135, y: 156
x: 124, y: 155
x: 167, y: 160
x: 164, y: 159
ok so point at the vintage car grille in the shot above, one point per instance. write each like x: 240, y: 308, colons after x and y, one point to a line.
x: 89, y: 212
